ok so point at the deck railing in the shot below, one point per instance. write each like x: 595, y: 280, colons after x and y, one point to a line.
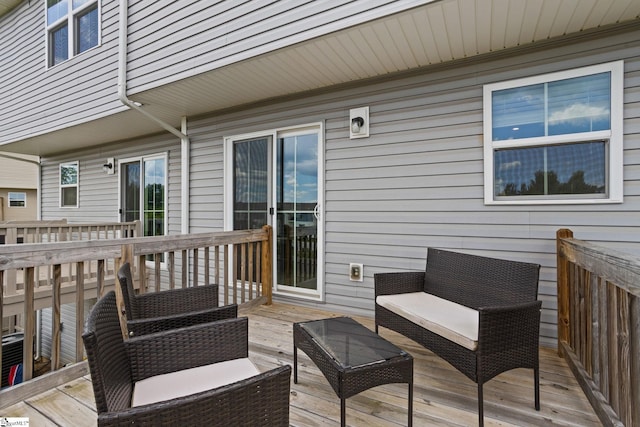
x: 239, y: 261
x: 599, y: 325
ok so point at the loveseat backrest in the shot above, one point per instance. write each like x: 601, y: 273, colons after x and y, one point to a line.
x: 475, y: 281
x: 107, y: 357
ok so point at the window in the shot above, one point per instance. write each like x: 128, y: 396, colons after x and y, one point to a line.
x: 72, y: 27
x: 69, y: 185
x: 555, y: 138
x: 17, y: 200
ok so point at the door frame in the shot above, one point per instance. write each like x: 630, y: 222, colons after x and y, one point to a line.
x: 319, y: 293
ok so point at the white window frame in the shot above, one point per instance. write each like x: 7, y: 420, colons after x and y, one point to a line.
x: 70, y: 20
x: 76, y: 185
x: 614, y: 136
x: 21, y: 196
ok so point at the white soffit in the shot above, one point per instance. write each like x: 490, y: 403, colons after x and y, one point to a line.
x: 435, y: 33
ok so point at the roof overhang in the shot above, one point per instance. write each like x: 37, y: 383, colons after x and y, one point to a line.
x: 431, y: 35
x: 7, y: 5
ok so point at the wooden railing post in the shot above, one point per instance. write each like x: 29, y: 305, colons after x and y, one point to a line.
x: 267, y: 263
x: 126, y: 255
x: 563, y: 290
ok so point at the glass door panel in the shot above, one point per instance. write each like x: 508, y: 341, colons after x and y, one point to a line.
x: 251, y: 183
x: 130, y: 191
x: 296, y: 201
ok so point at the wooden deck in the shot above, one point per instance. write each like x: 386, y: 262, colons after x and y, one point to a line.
x: 442, y: 396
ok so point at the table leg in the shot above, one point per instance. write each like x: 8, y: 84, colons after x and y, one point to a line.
x: 343, y: 418
x: 295, y: 365
x: 410, y: 405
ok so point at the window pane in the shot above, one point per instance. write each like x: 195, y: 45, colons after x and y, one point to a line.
x: 70, y: 196
x: 581, y: 104
x: 56, y: 9
x: 17, y: 200
x: 77, y: 3
x: 87, y: 30
x: 59, y: 45
x: 250, y: 160
x: 68, y: 174
x: 518, y: 112
x: 154, y: 195
x: 555, y: 169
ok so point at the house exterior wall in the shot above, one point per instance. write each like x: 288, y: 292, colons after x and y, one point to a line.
x: 83, y: 88
x: 417, y: 181
x: 98, y: 192
x: 200, y: 35
x: 15, y: 213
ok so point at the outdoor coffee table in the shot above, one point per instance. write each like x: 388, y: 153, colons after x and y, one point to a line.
x: 352, y: 358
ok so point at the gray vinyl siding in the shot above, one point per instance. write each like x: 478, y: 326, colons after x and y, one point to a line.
x: 208, y: 35
x: 68, y: 334
x: 38, y: 99
x: 98, y: 192
x: 417, y: 181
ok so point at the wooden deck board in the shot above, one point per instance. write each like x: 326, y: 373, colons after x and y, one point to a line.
x: 442, y: 395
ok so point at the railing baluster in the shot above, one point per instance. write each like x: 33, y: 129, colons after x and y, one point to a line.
x: 195, y: 267
x: 79, y: 310
x: 56, y: 338
x: 29, y: 323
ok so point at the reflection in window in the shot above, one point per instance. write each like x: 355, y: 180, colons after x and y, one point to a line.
x: 250, y: 185
x: 154, y: 197
x: 576, y: 105
x: 549, y: 170
x: 69, y: 184
x: 17, y: 200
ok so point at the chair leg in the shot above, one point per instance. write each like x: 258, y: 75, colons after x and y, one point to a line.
x: 536, y: 380
x: 480, y: 406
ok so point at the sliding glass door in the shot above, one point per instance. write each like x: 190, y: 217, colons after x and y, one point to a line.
x: 277, y: 181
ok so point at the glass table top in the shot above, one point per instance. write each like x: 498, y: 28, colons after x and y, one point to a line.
x: 349, y: 343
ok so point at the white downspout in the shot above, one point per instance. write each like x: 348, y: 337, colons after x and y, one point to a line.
x: 122, y: 94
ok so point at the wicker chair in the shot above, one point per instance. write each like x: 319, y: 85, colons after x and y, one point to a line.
x: 170, y: 309
x: 502, y: 292
x: 119, y: 368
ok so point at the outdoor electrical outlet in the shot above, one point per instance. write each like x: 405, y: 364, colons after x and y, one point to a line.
x: 355, y: 272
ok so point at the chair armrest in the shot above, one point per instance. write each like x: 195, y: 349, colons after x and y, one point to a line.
x: 188, y: 347
x: 259, y: 400
x: 175, y: 301
x: 398, y: 282
x: 151, y: 325
x: 509, y: 327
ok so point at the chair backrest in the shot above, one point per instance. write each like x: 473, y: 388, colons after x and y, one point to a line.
x: 128, y: 293
x: 107, y: 357
x: 475, y: 281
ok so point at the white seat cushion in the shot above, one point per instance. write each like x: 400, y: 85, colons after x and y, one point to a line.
x: 191, y: 381
x: 452, y: 321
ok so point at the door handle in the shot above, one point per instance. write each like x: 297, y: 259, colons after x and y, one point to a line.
x: 316, y: 212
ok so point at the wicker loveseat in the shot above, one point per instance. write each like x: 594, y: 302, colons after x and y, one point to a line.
x: 194, y: 376
x: 479, y: 314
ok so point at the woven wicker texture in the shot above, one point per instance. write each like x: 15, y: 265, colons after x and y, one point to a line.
x: 170, y: 309
x: 262, y: 400
x: 504, y: 292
